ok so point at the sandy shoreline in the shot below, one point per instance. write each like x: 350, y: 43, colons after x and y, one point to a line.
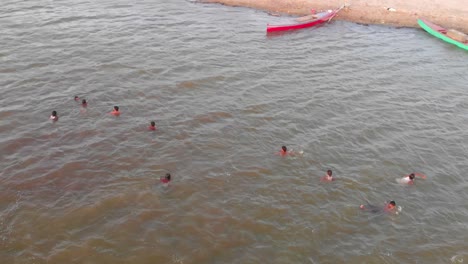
x: 447, y: 13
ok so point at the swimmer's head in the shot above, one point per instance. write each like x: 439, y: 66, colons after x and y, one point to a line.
x: 391, y: 205
x: 168, y: 176
x: 153, y: 123
x: 54, y: 113
x: 77, y: 98
x: 329, y: 173
x: 284, y: 148
x: 83, y: 102
x: 116, y: 108
x: 411, y: 176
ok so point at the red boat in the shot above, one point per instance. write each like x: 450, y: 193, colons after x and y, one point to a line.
x: 306, y: 21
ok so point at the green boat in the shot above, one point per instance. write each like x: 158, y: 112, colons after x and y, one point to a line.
x: 444, y: 34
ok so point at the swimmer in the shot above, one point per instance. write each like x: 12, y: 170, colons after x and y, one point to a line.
x: 77, y: 98
x: 84, y: 103
x: 327, y: 177
x: 390, y: 207
x: 409, y: 179
x: 152, y: 126
x: 116, y: 111
x: 54, y: 116
x: 166, y: 178
x: 284, y: 151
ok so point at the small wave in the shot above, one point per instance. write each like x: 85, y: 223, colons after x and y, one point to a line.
x: 114, y: 66
x: 70, y: 19
x: 457, y: 259
x: 256, y: 109
x: 6, y: 114
x: 8, y: 70
x: 187, y: 84
x: 198, y: 82
x: 121, y: 6
x: 212, y: 117
x: 36, y: 65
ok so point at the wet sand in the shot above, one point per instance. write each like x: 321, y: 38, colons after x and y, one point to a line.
x: 447, y: 13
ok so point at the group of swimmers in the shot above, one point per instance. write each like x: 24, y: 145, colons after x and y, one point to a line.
x: 115, y: 112
x: 389, y: 206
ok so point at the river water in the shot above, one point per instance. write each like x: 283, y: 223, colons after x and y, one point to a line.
x: 372, y: 103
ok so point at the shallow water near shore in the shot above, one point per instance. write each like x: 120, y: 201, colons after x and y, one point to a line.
x: 371, y: 103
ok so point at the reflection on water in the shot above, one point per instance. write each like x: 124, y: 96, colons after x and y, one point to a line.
x: 370, y: 103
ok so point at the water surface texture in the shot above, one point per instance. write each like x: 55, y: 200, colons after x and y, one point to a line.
x: 371, y: 103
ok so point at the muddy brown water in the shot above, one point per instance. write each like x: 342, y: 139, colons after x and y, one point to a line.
x: 371, y: 103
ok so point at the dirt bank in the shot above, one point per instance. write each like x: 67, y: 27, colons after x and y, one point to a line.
x: 448, y: 13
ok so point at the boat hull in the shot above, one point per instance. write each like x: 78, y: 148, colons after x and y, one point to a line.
x: 322, y: 17
x: 440, y: 32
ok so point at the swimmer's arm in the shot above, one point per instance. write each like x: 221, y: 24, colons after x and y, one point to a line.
x: 293, y: 153
x: 325, y: 179
x: 420, y: 175
x: 163, y: 180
